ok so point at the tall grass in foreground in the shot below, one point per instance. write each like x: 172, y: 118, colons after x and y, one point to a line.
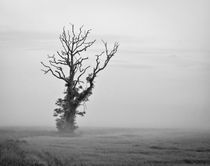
x: 11, y: 154
x: 104, y: 148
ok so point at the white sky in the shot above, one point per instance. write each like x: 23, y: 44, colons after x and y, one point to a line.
x: 159, y: 78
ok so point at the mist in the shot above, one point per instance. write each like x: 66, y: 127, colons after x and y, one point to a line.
x: 158, y: 79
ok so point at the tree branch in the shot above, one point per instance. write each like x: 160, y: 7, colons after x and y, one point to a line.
x: 80, y: 75
x: 49, y: 69
x: 73, y: 44
x: 109, y: 55
x: 90, y: 79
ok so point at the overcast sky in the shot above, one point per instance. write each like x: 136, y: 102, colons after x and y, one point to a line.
x: 158, y: 78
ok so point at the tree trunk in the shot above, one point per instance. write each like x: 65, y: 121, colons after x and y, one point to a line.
x: 69, y: 119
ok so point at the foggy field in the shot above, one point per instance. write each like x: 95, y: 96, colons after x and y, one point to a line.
x: 104, y: 146
x: 139, y: 67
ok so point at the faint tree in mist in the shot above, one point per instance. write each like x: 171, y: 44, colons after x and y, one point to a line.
x: 70, y: 66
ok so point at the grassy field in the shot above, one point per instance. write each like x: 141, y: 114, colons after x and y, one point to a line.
x: 103, y: 146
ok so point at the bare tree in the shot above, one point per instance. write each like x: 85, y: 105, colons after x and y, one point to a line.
x: 69, y: 65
